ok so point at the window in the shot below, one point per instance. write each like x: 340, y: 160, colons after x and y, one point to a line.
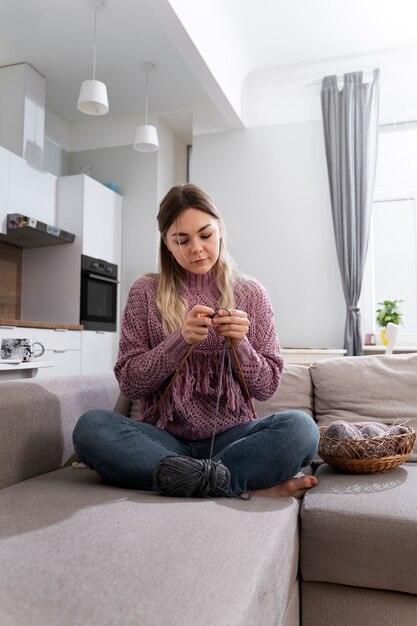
x: 391, y: 265
x: 392, y: 261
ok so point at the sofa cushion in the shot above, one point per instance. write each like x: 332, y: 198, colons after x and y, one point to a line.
x: 76, y: 551
x: 294, y: 392
x: 326, y: 604
x: 37, y: 419
x: 377, y: 388
x: 361, y: 530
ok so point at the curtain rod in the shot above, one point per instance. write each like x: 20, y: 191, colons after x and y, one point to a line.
x: 339, y: 78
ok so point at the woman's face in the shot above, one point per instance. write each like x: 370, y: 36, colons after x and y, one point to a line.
x: 194, y: 240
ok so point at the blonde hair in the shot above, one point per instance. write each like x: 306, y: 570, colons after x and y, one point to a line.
x: 172, y: 306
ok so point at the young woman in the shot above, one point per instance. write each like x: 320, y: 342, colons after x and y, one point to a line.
x: 171, y: 355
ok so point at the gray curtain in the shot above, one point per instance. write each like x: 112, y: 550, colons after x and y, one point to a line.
x: 350, y: 121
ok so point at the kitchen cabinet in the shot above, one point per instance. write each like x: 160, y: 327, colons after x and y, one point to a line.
x: 31, y: 191
x: 62, y: 347
x: 52, y: 275
x: 99, y: 351
x: 25, y: 189
x: 101, y: 222
x: 94, y: 213
x: 72, y: 352
x: 22, y: 104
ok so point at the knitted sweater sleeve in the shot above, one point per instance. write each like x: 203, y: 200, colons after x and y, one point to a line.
x: 141, y: 366
x: 259, y: 353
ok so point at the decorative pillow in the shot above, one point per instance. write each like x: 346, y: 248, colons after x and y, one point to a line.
x: 295, y: 391
x: 379, y: 388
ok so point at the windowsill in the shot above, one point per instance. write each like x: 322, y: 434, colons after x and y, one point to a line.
x: 381, y: 349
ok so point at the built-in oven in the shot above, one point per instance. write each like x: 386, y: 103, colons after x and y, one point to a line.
x: 98, y: 302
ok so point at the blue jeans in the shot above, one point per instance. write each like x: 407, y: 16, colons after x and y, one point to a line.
x: 258, y: 454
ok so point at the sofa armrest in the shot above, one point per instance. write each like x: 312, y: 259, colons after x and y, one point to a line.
x: 37, y: 420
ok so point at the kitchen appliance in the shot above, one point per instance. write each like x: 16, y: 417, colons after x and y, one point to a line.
x: 98, y: 302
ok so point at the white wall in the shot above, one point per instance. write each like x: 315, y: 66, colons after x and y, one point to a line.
x: 55, y: 159
x: 271, y: 187
x: 228, y: 59
x: 292, y: 94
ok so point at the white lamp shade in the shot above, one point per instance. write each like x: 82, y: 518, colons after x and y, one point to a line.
x: 146, y: 138
x: 93, y: 98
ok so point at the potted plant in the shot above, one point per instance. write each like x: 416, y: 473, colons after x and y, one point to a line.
x: 388, y: 311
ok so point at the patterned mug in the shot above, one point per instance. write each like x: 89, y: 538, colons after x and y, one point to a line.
x: 20, y: 349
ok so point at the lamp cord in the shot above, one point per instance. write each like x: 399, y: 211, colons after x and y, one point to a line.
x: 146, y: 97
x: 94, y: 49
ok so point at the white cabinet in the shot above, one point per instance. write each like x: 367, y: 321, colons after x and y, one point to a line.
x: 31, y: 191
x: 99, y: 351
x: 66, y: 363
x: 25, y: 189
x: 62, y: 347
x: 22, y: 106
x: 94, y: 213
x: 101, y: 222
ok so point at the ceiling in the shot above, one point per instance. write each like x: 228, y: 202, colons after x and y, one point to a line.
x: 56, y: 37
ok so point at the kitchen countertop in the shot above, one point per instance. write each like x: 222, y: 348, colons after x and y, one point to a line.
x: 31, y: 324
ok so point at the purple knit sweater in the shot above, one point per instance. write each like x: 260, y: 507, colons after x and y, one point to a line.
x: 148, y: 358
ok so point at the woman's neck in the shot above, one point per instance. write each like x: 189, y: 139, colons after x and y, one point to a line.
x: 196, y: 283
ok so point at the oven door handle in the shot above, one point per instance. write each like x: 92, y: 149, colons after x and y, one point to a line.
x: 104, y: 278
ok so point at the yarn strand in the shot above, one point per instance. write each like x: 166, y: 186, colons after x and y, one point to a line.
x: 218, y: 400
x: 184, y: 476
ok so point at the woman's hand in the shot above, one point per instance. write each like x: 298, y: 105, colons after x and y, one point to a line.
x: 234, y: 326
x: 196, y: 324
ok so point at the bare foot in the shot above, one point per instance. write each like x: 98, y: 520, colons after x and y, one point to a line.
x: 293, y: 487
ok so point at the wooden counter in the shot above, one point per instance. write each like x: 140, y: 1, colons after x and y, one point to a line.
x: 31, y: 324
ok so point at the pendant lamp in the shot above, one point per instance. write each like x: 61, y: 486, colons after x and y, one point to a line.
x: 146, y: 137
x: 93, y: 93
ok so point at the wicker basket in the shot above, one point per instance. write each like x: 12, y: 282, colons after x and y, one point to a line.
x: 366, y: 456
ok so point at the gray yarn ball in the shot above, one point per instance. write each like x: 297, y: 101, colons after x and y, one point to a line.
x: 342, y: 430
x: 373, y: 429
x: 185, y: 477
x: 396, y: 430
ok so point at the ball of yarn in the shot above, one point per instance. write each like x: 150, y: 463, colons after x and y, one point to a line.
x: 342, y: 430
x: 183, y: 476
x: 393, y: 431
x: 373, y: 429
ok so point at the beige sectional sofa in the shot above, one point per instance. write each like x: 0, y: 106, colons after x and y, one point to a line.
x: 74, y: 551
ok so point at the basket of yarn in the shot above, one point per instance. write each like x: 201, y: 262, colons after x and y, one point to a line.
x: 365, y: 447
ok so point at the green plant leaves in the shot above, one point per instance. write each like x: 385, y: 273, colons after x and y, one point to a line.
x: 388, y: 312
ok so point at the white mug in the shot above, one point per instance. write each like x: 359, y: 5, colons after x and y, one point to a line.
x: 20, y: 349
